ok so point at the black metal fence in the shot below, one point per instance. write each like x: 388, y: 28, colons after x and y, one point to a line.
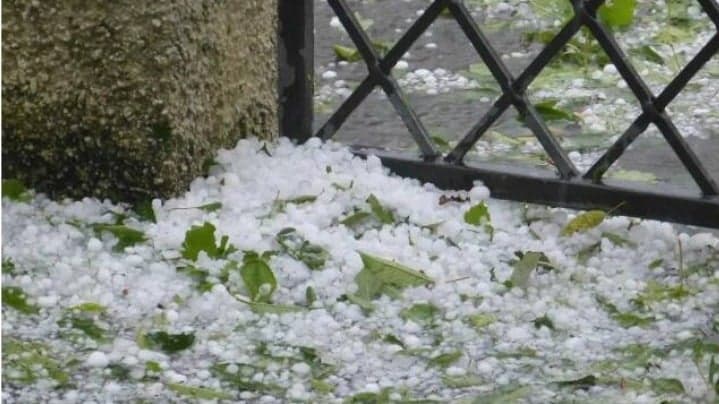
x: 569, y: 188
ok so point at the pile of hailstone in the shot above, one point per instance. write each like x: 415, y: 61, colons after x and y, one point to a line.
x: 304, y: 274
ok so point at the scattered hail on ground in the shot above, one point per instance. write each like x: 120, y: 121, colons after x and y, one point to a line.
x: 304, y: 274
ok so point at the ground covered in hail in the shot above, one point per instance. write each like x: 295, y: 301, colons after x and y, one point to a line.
x: 304, y: 274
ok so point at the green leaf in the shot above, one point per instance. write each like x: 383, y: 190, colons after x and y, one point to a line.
x: 8, y: 267
x: 421, y: 313
x: 618, y: 13
x: 382, y: 47
x: 481, y: 320
x: 126, y: 237
x: 15, y: 297
x: 393, y: 339
x: 667, y: 386
x: 84, y: 324
x: 441, y: 142
x: 202, y: 238
x: 698, y: 346
x: 370, y: 398
x: 198, y: 393
x: 355, y: 218
x: 265, y: 149
x: 522, y: 352
x: 618, y: 240
x: 489, y: 229
x: 384, y: 215
x: 279, y: 205
x: 199, y: 275
x: 678, y: 11
x: 499, y: 137
x: 380, y: 276
x: 705, y: 267
x: 15, y: 191
x: 144, y: 210
x: 418, y: 352
x: 321, y: 386
x: 152, y: 366
x: 543, y: 321
x: 350, y: 54
x: 341, y: 187
x: 583, y: 383
x: 477, y: 214
x: 199, y: 238
x: 259, y: 279
x: 310, y: 296
x: 549, y: 111
x: 463, y: 381
x: 625, y: 319
x: 628, y: 320
x: 302, y: 199
x: 446, y: 359
x: 120, y: 217
x: 168, y: 343
x: 713, y: 372
x: 320, y: 369
x: 292, y: 243
x: 503, y: 395
x: 543, y: 37
x: 674, y: 34
x: 24, y: 362
x: 553, y: 9
x: 656, y: 263
x: 524, y: 267
x: 628, y: 361
x: 365, y: 304
x: 656, y: 292
x: 587, y: 252
x: 118, y: 371
x: 89, y: 307
x: 633, y: 175
x: 648, y: 53
x: 432, y: 227
x: 492, y: 275
x: 267, y: 308
x: 583, y: 222
x: 346, y: 53
x: 152, y: 371
x: 481, y: 72
x: 209, y: 207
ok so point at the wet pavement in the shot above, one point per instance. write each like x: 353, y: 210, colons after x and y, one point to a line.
x: 450, y: 115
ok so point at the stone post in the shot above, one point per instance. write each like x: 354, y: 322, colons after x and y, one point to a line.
x: 130, y: 99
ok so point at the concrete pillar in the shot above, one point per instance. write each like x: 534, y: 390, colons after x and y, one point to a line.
x: 129, y: 99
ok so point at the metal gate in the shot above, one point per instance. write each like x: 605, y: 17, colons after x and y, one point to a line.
x: 569, y: 188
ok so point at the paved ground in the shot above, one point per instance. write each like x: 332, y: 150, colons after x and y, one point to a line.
x: 450, y: 114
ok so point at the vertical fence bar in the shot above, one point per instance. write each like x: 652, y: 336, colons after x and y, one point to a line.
x: 296, y: 68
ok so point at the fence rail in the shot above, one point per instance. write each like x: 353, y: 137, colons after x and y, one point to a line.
x: 569, y: 187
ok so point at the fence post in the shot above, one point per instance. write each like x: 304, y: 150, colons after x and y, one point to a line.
x: 296, y: 68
